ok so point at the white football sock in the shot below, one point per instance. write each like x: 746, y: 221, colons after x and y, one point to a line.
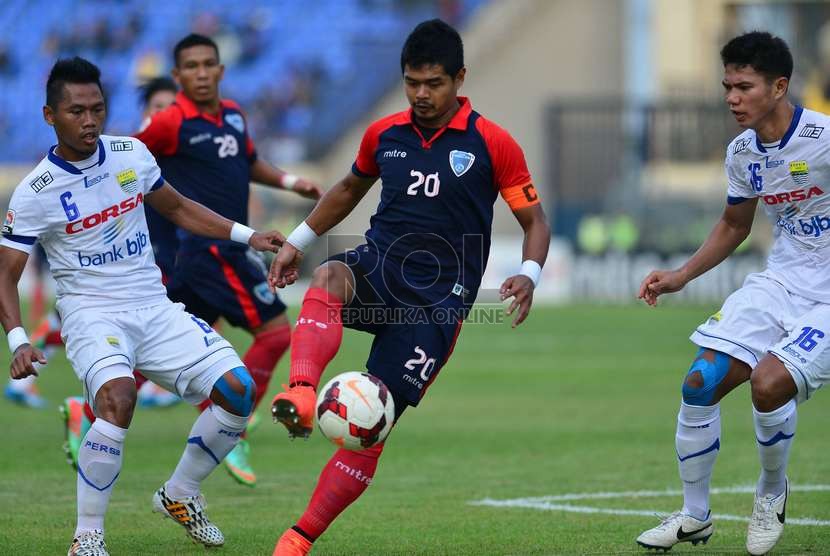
x: 697, y: 442
x: 21, y: 385
x: 213, y: 436
x: 774, y: 433
x: 99, y: 463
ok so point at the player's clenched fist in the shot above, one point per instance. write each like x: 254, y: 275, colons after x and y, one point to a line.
x: 285, y: 268
x: 266, y: 241
x: 659, y: 282
x: 307, y: 189
x: 23, y: 363
x: 520, y: 288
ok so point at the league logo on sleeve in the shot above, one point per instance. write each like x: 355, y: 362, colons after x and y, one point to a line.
x: 8, y: 223
x: 460, y: 162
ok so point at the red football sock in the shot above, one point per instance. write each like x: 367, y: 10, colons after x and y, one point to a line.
x: 263, y: 356
x: 343, y: 480
x: 316, y: 337
x: 53, y: 338
x: 140, y: 379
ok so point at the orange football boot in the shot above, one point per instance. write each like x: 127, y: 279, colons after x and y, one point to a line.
x: 292, y: 543
x: 294, y: 408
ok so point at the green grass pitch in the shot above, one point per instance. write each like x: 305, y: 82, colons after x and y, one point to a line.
x: 577, y: 400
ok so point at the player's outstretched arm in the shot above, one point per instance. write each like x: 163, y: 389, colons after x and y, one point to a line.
x: 200, y: 220
x: 24, y: 355
x: 334, y: 206
x: 266, y: 174
x: 729, y: 232
x: 534, y: 252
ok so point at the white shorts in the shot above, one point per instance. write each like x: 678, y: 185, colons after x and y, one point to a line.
x: 761, y: 317
x: 171, y: 347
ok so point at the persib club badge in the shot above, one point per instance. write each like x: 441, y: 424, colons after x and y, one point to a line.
x: 128, y: 180
x: 460, y: 162
x: 800, y: 172
x: 236, y: 121
x: 8, y: 223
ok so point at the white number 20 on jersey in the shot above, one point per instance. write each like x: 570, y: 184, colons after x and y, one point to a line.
x: 430, y: 182
x: 228, y: 146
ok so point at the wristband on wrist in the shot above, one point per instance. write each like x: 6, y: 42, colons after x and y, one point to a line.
x: 302, y: 237
x: 241, y: 233
x: 532, y: 270
x: 288, y: 181
x: 17, y: 337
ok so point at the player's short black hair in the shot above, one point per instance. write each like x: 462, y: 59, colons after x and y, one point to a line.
x: 193, y: 39
x: 765, y: 53
x: 433, y: 42
x: 153, y: 86
x: 70, y: 70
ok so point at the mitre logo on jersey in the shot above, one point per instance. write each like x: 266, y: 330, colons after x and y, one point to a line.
x: 811, y: 131
x: 8, y: 223
x: 236, y: 121
x: 460, y: 162
x: 128, y: 180
x: 41, y: 181
x: 800, y: 172
x: 121, y: 146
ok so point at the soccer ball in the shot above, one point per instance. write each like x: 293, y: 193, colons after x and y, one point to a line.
x: 355, y: 410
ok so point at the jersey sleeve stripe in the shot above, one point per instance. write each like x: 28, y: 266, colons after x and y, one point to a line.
x: 5, y: 241
x: 359, y: 173
x: 159, y: 183
x: 735, y: 200
x: 26, y: 240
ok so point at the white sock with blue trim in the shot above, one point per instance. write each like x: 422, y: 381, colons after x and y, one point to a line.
x: 99, y: 463
x: 213, y: 436
x: 697, y: 442
x: 774, y: 433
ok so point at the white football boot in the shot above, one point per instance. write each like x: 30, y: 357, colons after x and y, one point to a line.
x: 767, y: 522
x: 88, y: 543
x: 678, y: 527
x: 189, y: 513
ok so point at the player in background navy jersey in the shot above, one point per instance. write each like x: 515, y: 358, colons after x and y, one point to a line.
x: 203, y: 147
x: 442, y: 165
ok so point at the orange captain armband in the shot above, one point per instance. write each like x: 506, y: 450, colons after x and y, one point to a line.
x: 520, y: 196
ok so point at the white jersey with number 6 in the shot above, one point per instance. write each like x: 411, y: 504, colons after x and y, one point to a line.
x: 89, y: 218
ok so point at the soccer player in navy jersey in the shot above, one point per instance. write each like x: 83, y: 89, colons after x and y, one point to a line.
x: 204, y: 149
x: 442, y: 165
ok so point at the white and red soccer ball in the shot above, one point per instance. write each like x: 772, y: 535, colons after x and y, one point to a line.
x: 355, y: 410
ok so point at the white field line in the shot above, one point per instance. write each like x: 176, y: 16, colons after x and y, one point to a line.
x: 548, y: 503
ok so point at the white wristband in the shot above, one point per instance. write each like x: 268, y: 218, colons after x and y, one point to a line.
x: 532, y: 270
x: 302, y: 237
x: 17, y: 337
x: 241, y: 233
x: 288, y: 181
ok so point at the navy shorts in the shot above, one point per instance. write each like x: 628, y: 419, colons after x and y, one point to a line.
x: 224, y: 280
x: 414, y: 335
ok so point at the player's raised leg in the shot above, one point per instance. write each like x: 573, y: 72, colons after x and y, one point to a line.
x: 697, y: 440
x: 214, y: 434
x: 100, y: 454
x: 316, y: 339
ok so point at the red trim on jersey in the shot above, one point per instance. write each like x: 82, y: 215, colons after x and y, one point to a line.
x: 447, y: 358
x: 161, y: 132
x: 245, y: 301
x: 365, y: 160
x: 510, y: 173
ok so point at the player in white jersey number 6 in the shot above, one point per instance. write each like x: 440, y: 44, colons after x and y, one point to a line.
x: 83, y: 203
x: 775, y: 330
